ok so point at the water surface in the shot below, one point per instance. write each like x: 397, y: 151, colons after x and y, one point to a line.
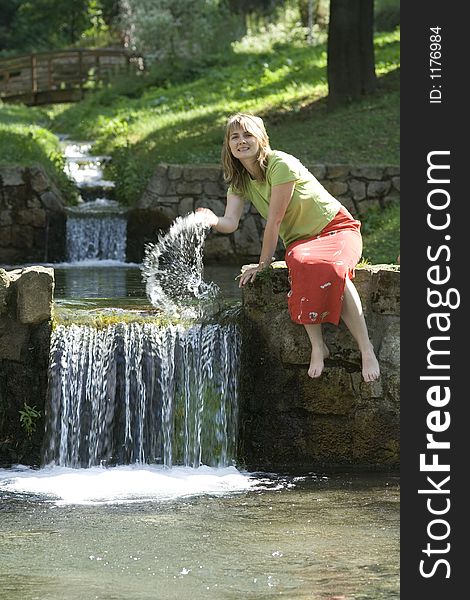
x: 310, y: 538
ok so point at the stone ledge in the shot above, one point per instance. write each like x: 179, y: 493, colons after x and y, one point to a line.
x: 32, y: 216
x: 25, y: 331
x: 337, y: 420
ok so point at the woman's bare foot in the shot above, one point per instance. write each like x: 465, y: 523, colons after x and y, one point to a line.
x: 316, y: 360
x: 370, y: 365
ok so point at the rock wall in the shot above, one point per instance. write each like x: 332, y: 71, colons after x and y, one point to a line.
x: 289, y: 421
x: 175, y: 190
x: 25, y: 330
x: 32, y: 217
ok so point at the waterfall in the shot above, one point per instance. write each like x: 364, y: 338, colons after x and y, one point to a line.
x: 95, y: 236
x: 142, y: 393
x: 97, y: 227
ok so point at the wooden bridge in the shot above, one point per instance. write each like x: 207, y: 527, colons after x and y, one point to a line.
x: 61, y: 76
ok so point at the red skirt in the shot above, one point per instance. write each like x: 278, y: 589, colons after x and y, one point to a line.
x: 318, y: 267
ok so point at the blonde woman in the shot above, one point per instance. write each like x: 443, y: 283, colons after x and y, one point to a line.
x: 323, y: 241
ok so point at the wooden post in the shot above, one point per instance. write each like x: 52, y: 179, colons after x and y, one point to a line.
x: 98, y: 69
x: 34, y: 77
x: 80, y: 68
x: 49, y: 73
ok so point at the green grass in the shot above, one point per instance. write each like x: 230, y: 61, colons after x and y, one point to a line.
x: 142, y: 124
x: 183, y: 123
x: 25, y: 139
x: 381, y: 234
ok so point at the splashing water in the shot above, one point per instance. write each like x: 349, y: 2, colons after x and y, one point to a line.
x: 173, y: 268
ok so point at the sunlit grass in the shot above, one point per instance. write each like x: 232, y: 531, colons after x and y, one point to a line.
x: 141, y: 124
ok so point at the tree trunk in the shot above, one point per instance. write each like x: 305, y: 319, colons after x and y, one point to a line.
x: 351, y: 63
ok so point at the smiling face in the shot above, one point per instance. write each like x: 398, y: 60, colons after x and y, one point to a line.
x: 245, y: 149
x: 243, y: 144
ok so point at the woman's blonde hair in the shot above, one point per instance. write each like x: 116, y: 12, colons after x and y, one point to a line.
x: 235, y: 173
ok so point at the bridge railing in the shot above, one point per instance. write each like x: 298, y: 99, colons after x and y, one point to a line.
x: 60, y: 75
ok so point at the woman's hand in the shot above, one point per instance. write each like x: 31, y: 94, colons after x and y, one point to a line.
x: 207, y: 216
x: 250, y: 274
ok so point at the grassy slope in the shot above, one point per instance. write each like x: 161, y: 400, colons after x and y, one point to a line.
x: 184, y: 123
x: 25, y: 139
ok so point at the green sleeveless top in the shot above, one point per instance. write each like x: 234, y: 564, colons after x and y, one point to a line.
x: 311, y: 207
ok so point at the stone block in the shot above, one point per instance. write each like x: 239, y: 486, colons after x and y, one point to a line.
x: 396, y: 183
x: 364, y: 205
x: 357, y: 189
x: 5, y: 235
x: 212, y: 188
x: 15, y: 196
x: 34, y: 295
x: 4, y: 285
x: 157, y: 186
x: 33, y: 202
x: 12, y: 176
x: 216, y: 206
x: 203, y: 173
x: 378, y: 188
x: 165, y: 200
x: 318, y: 171
x: 376, y: 436
x: 247, y: 238
x: 329, y: 440
x: 14, y: 338
x: 368, y: 172
x: 336, y: 188
x: 175, y: 172
x: 22, y: 236
x: 36, y: 217
x: 367, y: 390
x: 168, y: 213
x: 391, y: 386
x: 385, y: 296
x: 337, y: 171
x: 188, y: 188
x: 390, y: 347
x: 218, y: 247
x: 332, y: 394
x: 392, y: 171
x: 39, y: 180
x: 348, y: 203
x: 185, y: 206
x: 52, y: 201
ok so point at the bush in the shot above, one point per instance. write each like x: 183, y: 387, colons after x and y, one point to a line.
x: 169, y: 32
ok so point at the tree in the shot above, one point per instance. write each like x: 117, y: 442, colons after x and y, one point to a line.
x: 351, y: 64
x: 176, y: 31
x: 49, y: 24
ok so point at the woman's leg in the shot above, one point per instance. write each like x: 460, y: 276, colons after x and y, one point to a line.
x: 353, y: 317
x: 319, y: 350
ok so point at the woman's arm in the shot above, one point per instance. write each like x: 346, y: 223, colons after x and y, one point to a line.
x: 229, y: 222
x: 280, y: 197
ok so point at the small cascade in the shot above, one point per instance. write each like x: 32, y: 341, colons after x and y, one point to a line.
x: 97, y: 227
x: 143, y: 393
x: 96, y: 231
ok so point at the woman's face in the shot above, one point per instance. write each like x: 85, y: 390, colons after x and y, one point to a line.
x: 243, y: 144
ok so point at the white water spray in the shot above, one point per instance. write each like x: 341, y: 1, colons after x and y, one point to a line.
x: 173, y: 269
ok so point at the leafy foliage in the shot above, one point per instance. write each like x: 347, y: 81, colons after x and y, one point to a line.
x: 171, y: 31
x: 49, y: 24
x: 29, y: 416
